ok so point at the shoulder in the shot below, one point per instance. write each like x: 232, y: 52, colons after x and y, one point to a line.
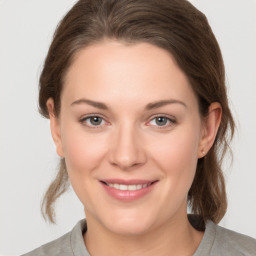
x: 60, y: 246
x: 224, y: 242
x: 69, y: 244
x: 234, y: 242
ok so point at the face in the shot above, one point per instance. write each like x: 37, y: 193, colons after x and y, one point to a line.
x: 131, y: 134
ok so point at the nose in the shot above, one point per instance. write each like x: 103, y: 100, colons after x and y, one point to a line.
x: 127, y: 149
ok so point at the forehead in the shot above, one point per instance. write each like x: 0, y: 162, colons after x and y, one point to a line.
x: 117, y: 71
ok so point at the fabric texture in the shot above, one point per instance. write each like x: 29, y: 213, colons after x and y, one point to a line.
x: 217, y: 241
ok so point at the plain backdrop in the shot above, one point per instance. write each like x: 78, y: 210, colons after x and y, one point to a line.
x: 27, y: 154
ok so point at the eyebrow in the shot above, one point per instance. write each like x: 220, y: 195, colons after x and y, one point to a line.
x: 161, y: 103
x: 95, y: 104
x: 149, y: 106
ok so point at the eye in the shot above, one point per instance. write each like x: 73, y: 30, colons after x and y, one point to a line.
x: 93, y: 121
x: 162, y: 121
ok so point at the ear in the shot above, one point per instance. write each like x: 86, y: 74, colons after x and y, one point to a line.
x: 55, y: 127
x: 210, y: 128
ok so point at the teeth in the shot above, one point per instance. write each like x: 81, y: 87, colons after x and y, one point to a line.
x: 128, y: 187
x: 140, y: 186
x: 117, y: 186
x: 123, y: 187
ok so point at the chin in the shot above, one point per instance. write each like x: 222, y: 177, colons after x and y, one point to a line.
x: 129, y: 225
x: 130, y: 229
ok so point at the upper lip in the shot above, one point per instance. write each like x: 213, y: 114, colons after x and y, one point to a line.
x: 127, y: 182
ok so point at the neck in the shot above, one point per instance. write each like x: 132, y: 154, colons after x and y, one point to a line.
x: 177, y: 237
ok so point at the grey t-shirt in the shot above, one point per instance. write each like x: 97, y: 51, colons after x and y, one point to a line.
x: 217, y: 241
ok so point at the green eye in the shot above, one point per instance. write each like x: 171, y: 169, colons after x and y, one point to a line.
x: 161, y: 121
x: 93, y: 121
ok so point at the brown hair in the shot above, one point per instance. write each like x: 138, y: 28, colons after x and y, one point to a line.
x: 174, y: 25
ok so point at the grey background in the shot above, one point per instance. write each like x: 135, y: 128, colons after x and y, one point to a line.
x: 27, y: 154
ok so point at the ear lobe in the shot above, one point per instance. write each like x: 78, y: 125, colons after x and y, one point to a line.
x: 55, y: 127
x: 210, y: 128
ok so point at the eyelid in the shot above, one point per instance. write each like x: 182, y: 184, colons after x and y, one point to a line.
x: 172, y: 120
x: 83, y: 118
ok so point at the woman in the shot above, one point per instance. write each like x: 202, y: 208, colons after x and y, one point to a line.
x: 135, y: 92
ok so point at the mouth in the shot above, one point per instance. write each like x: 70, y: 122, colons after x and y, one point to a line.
x: 129, y: 187
x: 128, y: 190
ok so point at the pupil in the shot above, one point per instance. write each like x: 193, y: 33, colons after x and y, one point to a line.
x: 161, y: 121
x: 95, y: 120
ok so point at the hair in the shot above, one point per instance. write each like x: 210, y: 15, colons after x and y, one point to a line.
x: 174, y: 25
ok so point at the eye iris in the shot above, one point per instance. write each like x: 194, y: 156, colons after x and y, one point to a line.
x: 95, y: 120
x: 161, y: 121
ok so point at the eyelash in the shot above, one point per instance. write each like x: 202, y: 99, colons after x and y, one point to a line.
x: 171, y: 121
x: 84, y: 119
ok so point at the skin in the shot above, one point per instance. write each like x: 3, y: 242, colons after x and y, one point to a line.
x: 129, y: 143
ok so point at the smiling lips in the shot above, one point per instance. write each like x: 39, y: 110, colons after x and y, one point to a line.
x: 127, y: 190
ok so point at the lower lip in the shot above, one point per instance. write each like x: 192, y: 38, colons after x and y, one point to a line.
x: 127, y: 195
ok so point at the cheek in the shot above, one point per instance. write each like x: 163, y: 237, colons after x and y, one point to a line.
x: 176, y: 155
x: 82, y: 151
x: 83, y: 155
